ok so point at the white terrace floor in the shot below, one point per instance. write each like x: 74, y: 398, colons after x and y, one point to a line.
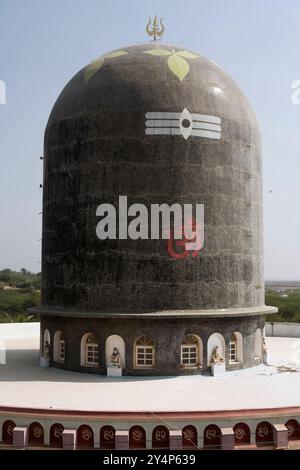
x: 24, y: 384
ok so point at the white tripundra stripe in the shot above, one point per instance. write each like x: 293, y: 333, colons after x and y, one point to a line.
x: 158, y: 115
x: 208, y: 134
x: 206, y: 118
x: 163, y: 130
x: 177, y: 131
x: 195, y: 117
x: 162, y: 123
x: 204, y: 125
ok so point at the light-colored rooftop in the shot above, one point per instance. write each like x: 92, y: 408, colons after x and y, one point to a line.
x: 23, y: 383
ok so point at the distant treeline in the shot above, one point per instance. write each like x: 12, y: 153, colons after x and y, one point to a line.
x: 288, y: 304
x: 19, y: 290
x: 21, y: 279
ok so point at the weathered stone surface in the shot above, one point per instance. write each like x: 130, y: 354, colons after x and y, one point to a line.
x: 96, y: 149
x: 166, y: 334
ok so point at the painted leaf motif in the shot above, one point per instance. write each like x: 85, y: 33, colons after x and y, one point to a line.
x: 178, y: 66
x: 187, y: 54
x: 92, y: 69
x: 114, y: 54
x: 159, y: 52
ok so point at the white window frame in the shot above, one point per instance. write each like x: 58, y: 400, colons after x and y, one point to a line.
x: 62, y: 350
x: 192, y: 349
x: 94, y: 352
x: 141, y: 349
x: 232, y: 355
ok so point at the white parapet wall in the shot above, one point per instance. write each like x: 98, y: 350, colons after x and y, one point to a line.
x: 12, y: 330
x: 286, y: 330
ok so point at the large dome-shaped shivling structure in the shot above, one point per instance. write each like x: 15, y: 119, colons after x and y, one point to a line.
x: 141, y: 127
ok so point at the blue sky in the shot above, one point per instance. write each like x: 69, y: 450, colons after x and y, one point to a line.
x: 43, y: 43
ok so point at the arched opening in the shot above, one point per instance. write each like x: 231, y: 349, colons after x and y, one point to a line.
x: 85, y: 437
x: 215, y: 340
x: 137, y: 437
x: 293, y: 430
x: 242, y: 434
x: 258, y: 344
x: 7, y: 431
x: 212, y: 437
x: 89, y: 350
x: 191, y: 352
x: 189, y: 437
x: 107, y: 437
x: 36, y: 435
x: 160, y: 438
x: 235, y: 348
x: 56, y: 439
x: 46, y: 341
x: 264, y: 434
x: 113, y: 343
x: 59, y: 347
x: 144, y: 353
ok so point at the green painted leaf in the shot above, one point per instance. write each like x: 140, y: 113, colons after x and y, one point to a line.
x: 159, y: 52
x: 178, y: 66
x: 91, y: 69
x: 97, y: 64
x: 187, y: 54
x: 114, y: 54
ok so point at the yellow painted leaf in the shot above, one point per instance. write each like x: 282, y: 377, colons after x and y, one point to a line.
x: 159, y: 52
x: 187, y: 54
x: 179, y: 66
x: 92, y: 69
x: 111, y: 55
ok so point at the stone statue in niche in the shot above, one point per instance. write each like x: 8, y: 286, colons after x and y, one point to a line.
x: 115, y: 359
x: 216, y: 357
x: 265, y: 352
x: 46, y: 349
x: 45, y: 356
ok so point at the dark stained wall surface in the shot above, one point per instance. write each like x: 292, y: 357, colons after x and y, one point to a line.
x: 96, y: 149
x: 167, y: 337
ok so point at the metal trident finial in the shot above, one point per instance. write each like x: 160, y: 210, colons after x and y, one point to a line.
x: 155, y: 30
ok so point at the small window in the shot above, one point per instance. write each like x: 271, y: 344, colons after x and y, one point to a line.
x: 59, y: 347
x: 144, y: 352
x: 190, y: 352
x: 62, y: 349
x: 232, y: 349
x: 91, y: 351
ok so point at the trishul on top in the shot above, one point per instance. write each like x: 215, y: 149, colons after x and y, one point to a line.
x: 156, y: 30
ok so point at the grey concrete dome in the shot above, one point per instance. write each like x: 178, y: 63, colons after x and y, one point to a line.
x: 96, y: 149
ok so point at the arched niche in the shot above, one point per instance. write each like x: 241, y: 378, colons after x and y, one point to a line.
x: 115, y: 341
x: 46, y: 338
x: 258, y: 344
x: 216, y: 339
